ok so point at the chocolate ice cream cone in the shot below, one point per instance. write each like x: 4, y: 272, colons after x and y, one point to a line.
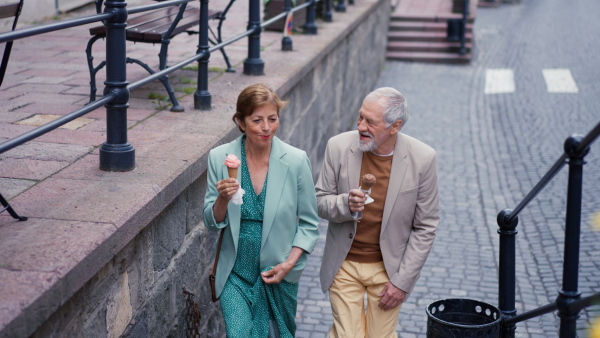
x: 368, y: 181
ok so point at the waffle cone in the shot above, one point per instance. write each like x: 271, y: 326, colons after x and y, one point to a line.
x: 232, y: 172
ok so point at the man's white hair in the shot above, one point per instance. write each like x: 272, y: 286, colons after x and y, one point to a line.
x: 393, y: 103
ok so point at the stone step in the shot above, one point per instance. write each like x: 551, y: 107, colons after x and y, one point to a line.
x: 429, y: 17
x: 399, y: 26
x: 484, y: 3
x: 423, y: 36
x: 429, y: 57
x: 419, y: 46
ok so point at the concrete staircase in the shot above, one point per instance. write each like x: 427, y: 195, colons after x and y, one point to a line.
x: 421, y: 37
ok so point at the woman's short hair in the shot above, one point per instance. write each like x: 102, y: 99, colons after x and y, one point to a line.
x: 253, y: 97
x: 393, y: 103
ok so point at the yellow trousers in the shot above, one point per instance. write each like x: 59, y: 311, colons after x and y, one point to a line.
x: 347, y: 294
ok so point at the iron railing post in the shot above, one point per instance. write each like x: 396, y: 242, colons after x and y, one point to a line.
x: 286, y: 41
x: 254, y: 65
x: 569, y: 293
x: 327, y: 17
x: 310, y: 27
x: 463, y: 33
x: 340, y: 7
x: 202, y: 97
x: 116, y: 154
x: 506, y: 274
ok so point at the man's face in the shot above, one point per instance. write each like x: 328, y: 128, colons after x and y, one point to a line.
x: 371, y: 127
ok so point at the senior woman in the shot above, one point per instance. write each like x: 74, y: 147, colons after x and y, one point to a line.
x: 267, y: 238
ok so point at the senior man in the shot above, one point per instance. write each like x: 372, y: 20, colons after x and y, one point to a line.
x: 377, y: 249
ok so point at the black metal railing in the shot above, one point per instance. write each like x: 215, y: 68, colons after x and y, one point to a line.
x: 117, y: 154
x: 463, y: 30
x: 569, y: 302
x: 457, y: 28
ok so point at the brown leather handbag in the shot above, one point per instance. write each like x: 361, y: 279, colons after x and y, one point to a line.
x: 214, y: 270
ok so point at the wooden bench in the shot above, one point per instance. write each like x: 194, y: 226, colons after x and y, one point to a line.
x: 11, y: 10
x: 156, y: 26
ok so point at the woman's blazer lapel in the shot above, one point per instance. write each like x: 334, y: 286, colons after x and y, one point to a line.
x: 234, y: 211
x: 278, y: 171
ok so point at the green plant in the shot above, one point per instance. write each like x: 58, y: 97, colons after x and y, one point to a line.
x: 160, y: 100
x: 185, y: 80
x: 188, y: 90
x: 192, y: 67
x: 157, y: 96
x: 216, y: 69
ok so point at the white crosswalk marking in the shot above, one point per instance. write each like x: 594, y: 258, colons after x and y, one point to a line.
x: 559, y: 80
x: 498, y: 81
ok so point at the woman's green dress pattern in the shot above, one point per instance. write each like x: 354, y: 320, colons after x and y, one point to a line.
x: 250, y: 307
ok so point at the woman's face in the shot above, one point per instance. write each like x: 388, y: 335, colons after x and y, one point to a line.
x: 260, y: 127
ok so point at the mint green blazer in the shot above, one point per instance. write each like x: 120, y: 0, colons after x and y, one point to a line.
x: 290, y: 215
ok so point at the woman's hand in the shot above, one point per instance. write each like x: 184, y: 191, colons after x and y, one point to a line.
x: 276, y: 275
x: 227, y: 188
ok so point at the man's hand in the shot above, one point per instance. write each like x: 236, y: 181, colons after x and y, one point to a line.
x: 356, y: 200
x: 391, y: 297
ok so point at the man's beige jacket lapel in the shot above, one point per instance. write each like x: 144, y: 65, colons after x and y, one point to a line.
x: 398, y: 170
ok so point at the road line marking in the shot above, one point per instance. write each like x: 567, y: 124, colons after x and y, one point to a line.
x: 559, y: 80
x: 498, y: 81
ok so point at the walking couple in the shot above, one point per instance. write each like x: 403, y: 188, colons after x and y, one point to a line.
x: 378, y: 236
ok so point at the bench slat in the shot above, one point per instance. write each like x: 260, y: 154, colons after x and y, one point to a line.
x: 155, y: 31
x: 9, y: 10
x: 132, y: 21
x: 151, y: 26
x: 136, y: 33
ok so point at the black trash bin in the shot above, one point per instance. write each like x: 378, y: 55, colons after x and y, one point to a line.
x: 462, y: 318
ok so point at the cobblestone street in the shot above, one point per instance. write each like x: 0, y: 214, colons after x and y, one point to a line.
x: 492, y: 149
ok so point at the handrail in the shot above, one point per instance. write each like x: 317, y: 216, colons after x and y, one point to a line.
x: 542, y: 310
x: 56, y: 26
x: 558, y: 165
x: 284, y: 14
x: 589, y: 138
x: 158, y: 5
x: 41, y: 130
x: 47, y: 28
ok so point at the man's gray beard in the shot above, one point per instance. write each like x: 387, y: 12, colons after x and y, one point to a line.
x: 367, y: 146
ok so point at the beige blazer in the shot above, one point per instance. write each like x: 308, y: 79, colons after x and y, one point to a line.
x: 411, y: 212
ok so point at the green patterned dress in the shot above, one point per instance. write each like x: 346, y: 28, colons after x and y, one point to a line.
x: 250, y: 307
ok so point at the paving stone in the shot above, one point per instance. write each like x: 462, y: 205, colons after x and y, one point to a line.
x: 10, y: 188
x: 29, y: 169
